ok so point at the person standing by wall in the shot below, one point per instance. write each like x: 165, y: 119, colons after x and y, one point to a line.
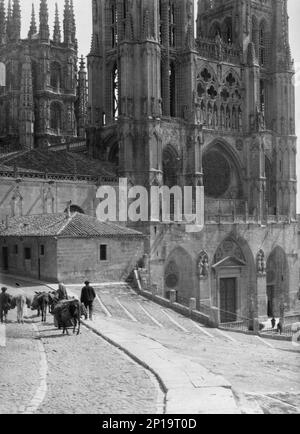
x: 87, y: 297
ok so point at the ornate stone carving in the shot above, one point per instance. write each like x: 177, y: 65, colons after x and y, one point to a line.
x: 203, y: 265
x: 261, y: 263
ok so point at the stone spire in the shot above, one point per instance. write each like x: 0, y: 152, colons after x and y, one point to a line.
x: 56, y: 32
x: 67, y: 23
x: 9, y: 22
x: 2, y: 23
x: 33, y: 28
x: 44, y: 25
x: 82, y: 99
x: 16, y: 21
x: 73, y: 22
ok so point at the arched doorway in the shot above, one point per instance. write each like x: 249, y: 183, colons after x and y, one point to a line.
x: 277, y: 281
x: 179, y: 276
x: 233, y: 281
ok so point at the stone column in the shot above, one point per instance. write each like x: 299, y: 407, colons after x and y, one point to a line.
x: 262, y: 301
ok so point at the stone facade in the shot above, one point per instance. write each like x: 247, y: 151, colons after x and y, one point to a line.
x: 214, y: 111
x: 42, y: 93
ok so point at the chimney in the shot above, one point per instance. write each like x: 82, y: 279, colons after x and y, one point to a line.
x: 6, y: 222
x: 68, y: 210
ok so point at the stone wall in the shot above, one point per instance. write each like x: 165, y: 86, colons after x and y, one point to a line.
x: 79, y: 259
x: 25, y: 196
x: 18, y: 265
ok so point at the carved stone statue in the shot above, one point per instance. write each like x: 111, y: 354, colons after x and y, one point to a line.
x: 261, y: 263
x: 203, y: 265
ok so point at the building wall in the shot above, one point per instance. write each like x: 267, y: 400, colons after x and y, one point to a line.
x: 18, y: 265
x: 79, y: 259
x: 37, y: 196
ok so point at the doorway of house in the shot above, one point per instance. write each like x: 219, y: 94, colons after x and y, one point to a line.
x: 228, y: 300
x: 5, y: 258
x: 270, y: 297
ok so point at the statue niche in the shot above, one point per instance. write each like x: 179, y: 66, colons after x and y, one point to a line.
x: 203, y: 266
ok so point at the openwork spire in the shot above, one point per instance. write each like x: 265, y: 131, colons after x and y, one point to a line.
x: 9, y: 21
x: 73, y: 23
x: 44, y: 18
x: 16, y: 20
x: 2, y: 23
x: 33, y: 28
x: 56, y: 32
x: 67, y: 23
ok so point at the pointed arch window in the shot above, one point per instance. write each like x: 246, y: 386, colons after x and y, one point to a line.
x: 115, y: 91
x: 114, y: 23
x: 55, y: 75
x: 55, y: 116
x: 227, y: 30
x: 262, y: 44
x: 172, y: 27
x: 255, y: 33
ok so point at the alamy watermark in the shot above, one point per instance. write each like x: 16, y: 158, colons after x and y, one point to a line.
x: 158, y: 204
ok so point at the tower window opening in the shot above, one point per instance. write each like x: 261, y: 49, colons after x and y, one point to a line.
x: 115, y: 92
x: 114, y: 22
x: 124, y: 13
x: 172, y: 24
x: 172, y: 76
x: 262, y: 46
x: 55, y: 116
x: 262, y: 96
x: 160, y: 22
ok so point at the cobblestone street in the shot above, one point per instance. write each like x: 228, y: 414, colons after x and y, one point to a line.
x: 86, y: 374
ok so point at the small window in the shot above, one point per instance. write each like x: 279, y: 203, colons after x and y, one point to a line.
x: 27, y: 253
x: 103, y: 252
x: 42, y: 250
x: 16, y: 249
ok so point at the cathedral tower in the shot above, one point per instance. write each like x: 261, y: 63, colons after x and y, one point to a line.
x: 38, y: 105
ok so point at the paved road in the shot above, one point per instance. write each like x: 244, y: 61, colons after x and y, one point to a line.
x: 264, y: 372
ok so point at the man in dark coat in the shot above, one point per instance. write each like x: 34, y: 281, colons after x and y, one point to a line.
x: 5, y: 301
x: 88, y: 296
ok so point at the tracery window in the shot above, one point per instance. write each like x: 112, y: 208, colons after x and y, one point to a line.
x: 219, y: 105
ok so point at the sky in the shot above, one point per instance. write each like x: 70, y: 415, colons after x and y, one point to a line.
x: 83, y: 11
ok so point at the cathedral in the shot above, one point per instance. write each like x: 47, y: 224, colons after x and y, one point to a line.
x: 214, y: 109
x: 42, y: 91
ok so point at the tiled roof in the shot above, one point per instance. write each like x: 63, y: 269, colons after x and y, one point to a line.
x: 61, y: 226
x: 59, y: 162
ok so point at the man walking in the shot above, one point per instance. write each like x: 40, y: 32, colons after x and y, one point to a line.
x: 88, y: 296
x: 5, y: 300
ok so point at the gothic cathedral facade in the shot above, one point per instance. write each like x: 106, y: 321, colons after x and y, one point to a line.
x: 42, y: 92
x: 215, y: 110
